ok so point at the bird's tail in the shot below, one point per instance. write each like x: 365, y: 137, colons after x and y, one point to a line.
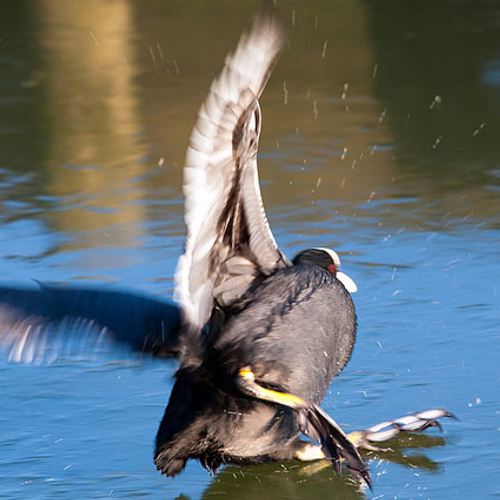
x: 336, y: 445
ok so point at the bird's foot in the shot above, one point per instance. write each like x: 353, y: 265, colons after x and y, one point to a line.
x: 309, y: 452
x: 387, y: 430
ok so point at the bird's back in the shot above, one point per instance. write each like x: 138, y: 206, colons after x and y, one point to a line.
x: 296, y: 332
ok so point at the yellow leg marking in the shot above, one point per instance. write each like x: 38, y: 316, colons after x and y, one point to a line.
x: 246, y: 381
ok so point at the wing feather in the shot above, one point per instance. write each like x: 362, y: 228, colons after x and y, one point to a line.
x: 44, y: 323
x: 224, y: 213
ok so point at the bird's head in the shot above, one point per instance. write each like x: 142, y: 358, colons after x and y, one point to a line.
x: 326, y: 259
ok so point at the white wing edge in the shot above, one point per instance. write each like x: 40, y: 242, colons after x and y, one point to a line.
x: 247, y: 67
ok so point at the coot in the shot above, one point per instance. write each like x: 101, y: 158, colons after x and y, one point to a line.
x: 264, y: 335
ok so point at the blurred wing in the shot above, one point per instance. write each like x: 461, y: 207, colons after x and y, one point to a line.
x: 229, y: 241
x: 41, y: 325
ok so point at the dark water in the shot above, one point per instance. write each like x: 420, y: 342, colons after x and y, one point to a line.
x: 381, y: 139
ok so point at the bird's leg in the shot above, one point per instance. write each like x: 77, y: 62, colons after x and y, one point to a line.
x: 307, y: 452
x: 313, y: 422
x: 247, y: 384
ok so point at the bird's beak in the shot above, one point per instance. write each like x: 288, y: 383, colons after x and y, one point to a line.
x: 349, y: 284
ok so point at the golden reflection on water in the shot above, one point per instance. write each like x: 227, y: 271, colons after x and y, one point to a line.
x: 123, y: 82
x: 316, y: 144
x: 91, y: 116
x: 108, y: 82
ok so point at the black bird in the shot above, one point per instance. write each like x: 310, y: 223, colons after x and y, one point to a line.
x: 264, y: 335
x: 259, y: 337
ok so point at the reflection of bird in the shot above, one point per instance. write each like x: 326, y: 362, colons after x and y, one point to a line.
x: 295, y: 482
x: 259, y: 337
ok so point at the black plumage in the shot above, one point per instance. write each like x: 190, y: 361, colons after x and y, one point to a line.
x: 296, y: 330
x: 265, y: 336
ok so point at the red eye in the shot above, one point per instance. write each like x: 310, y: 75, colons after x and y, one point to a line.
x: 331, y: 268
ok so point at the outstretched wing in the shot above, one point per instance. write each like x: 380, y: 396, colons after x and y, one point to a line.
x: 45, y: 323
x: 229, y: 241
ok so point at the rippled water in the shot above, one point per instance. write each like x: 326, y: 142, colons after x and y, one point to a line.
x: 380, y: 139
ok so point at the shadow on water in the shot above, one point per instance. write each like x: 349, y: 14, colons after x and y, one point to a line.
x: 396, y: 451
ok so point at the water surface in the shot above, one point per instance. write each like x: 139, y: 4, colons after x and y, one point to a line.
x: 380, y: 140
